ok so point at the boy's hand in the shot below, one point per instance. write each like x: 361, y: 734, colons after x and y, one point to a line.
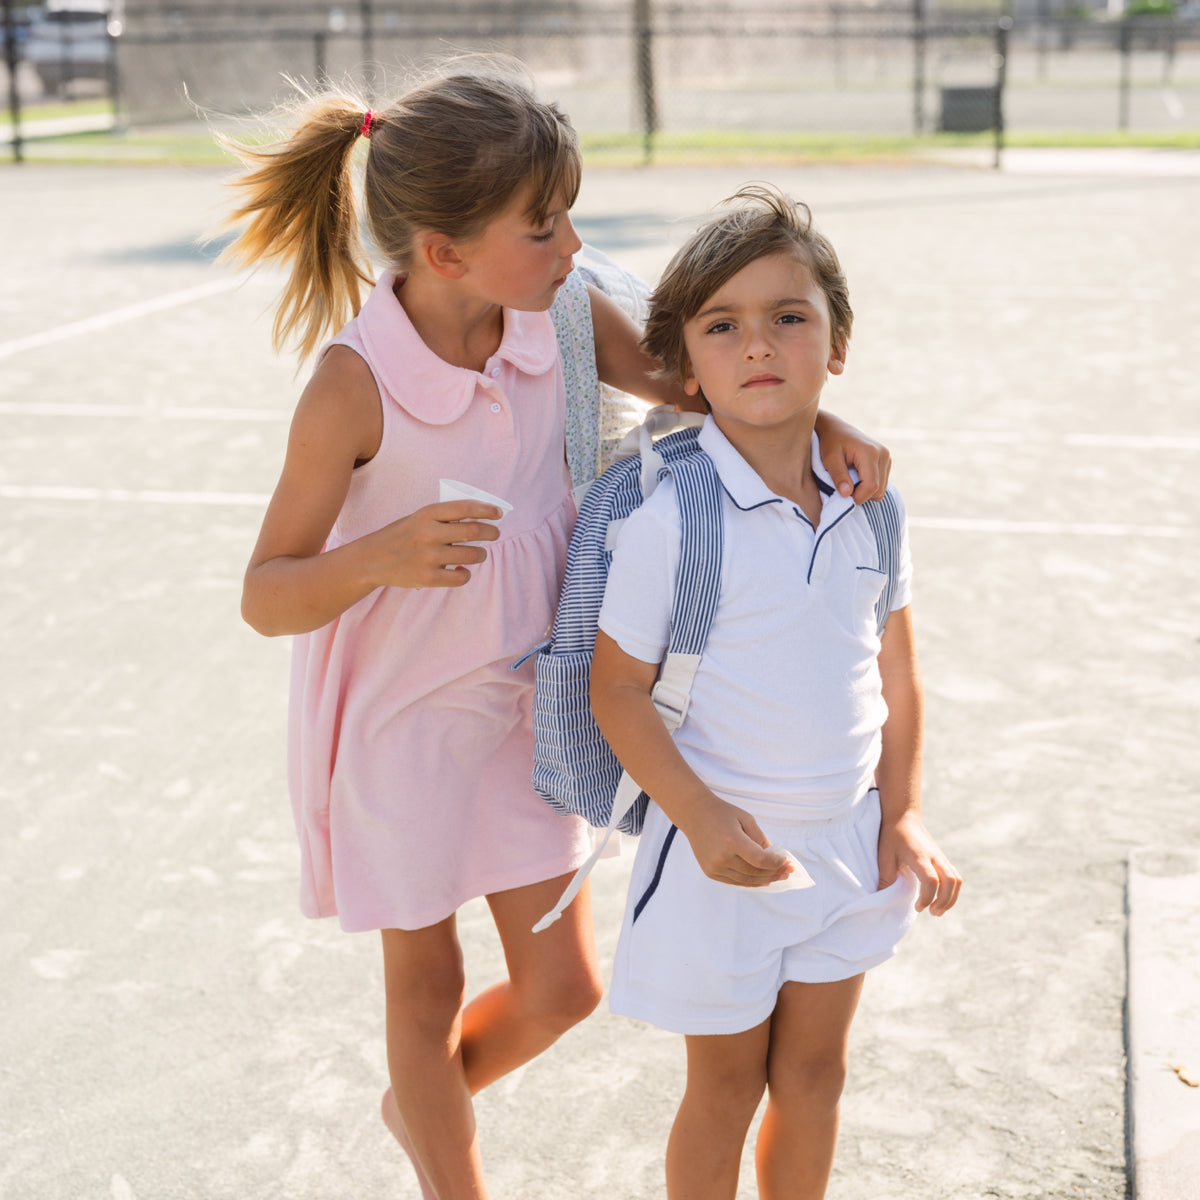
x: 730, y: 847
x: 905, y: 845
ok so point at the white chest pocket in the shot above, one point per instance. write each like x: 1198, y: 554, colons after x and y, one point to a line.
x: 868, y: 588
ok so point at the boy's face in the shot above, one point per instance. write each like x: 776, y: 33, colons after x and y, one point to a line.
x: 759, y: 349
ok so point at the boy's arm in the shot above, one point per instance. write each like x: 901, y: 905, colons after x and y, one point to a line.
x: 727, y: 842
x: 904, y: 842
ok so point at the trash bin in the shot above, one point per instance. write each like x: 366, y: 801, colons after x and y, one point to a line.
x: 967, y: 110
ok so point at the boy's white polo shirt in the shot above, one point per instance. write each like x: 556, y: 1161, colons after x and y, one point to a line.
x: 787, y: 703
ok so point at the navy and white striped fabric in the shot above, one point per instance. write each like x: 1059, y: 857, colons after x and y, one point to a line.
x: 574, y: 770
x: 884, y: 518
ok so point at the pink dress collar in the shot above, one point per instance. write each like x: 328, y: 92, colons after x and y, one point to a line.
x: 424, y: 385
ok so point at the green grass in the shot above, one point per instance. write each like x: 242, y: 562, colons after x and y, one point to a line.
x: 67, y: 108
x: 739, y: 147
x: 176, y: 145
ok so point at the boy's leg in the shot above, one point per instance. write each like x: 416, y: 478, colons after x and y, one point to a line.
x: 423, y: 979
x: 554, y: 981
x: 726, y: 1075
x: 805, y: 1075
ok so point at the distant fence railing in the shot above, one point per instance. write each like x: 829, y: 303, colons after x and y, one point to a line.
x: 659, y: 75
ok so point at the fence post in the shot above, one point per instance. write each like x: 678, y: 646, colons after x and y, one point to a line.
x: 114, y: 76
x: 918, y: 67
x: 644, y: 74
x: 320, y: 61
x: 1125, y: 45
x: 14, y: 96
x: 1002, y: 28
x: 368, y: 45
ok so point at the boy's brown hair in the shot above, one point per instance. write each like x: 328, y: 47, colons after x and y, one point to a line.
x: 762, y: 221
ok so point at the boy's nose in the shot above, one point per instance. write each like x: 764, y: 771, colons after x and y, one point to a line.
x: 758, y: 345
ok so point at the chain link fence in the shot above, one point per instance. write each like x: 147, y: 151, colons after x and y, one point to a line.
x: 664, y: 77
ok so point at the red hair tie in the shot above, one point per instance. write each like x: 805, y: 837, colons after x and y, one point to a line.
x: 365, y: 128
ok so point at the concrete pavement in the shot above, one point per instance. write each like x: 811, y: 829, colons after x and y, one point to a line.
x: 1025, y: 344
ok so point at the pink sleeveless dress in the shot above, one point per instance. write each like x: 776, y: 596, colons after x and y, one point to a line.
x: 410, y: 742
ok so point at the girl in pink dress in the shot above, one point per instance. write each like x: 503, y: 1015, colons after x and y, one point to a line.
x: 410, y: 739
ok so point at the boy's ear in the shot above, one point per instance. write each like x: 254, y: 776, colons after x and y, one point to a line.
x: 691, y: 387
x: 441, y: 255
x: 837, y: 360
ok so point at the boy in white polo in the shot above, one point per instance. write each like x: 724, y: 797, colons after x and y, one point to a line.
x: 795, y: 776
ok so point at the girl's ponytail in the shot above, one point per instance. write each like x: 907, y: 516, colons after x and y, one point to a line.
x: 299, y: 204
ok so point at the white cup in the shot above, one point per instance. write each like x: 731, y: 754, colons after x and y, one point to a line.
x: 453, y: 489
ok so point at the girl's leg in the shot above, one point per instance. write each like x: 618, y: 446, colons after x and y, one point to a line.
x: 726, y: 1075
x: 806, y: 1072
x: 554, y: 981
x: 423, y: 979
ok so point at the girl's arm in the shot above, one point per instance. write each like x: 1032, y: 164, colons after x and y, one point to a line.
x: 727, y: 842
x: 904, y: 842
x: 621, y: 363
x: 843, y: 447
x: 290, y: 585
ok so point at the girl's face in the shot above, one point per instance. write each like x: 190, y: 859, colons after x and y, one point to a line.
x: 760, y: 348
x: 520, y: 265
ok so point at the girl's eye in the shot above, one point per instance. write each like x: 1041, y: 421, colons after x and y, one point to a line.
x: 543, y: 237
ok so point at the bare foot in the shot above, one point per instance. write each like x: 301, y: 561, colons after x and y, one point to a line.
x: 391, y: 1118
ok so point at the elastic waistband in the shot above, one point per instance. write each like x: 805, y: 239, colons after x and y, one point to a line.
x: 814, y: 823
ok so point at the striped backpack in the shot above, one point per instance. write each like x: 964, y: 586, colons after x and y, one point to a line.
x: 575, y: 770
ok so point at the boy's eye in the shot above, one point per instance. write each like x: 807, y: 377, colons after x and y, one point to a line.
x: 720, y: 327
x: 791, y: 319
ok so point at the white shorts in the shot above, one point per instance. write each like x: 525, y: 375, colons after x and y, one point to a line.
x: 700, y: 957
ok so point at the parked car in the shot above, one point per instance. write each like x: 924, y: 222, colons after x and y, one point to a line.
x: 20, y: 19
x: 68, y: 39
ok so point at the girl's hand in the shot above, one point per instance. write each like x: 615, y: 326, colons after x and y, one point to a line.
x: 905, y: 845
x: 843, y: 447
x: 730, y: 847
x: 415, y: 551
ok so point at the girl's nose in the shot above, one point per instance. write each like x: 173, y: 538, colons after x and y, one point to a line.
x: 572, y: 243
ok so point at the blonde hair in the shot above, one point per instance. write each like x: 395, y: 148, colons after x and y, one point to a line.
x: 449, y: 156
x: 764, y: 222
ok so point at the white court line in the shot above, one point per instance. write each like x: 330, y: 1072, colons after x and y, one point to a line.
x: 259, y: 500
x: 136, y: 412
x: 131, y: 312
x: 1072, y: 528
x: 1186, y: 442
x: 1004, y: 437
x: 17, y: 492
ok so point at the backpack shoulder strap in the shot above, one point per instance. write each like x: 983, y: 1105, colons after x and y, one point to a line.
x: 572, y: 316
x: 697, y: 585
x: 884, y: 518
x: 698, y: 490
